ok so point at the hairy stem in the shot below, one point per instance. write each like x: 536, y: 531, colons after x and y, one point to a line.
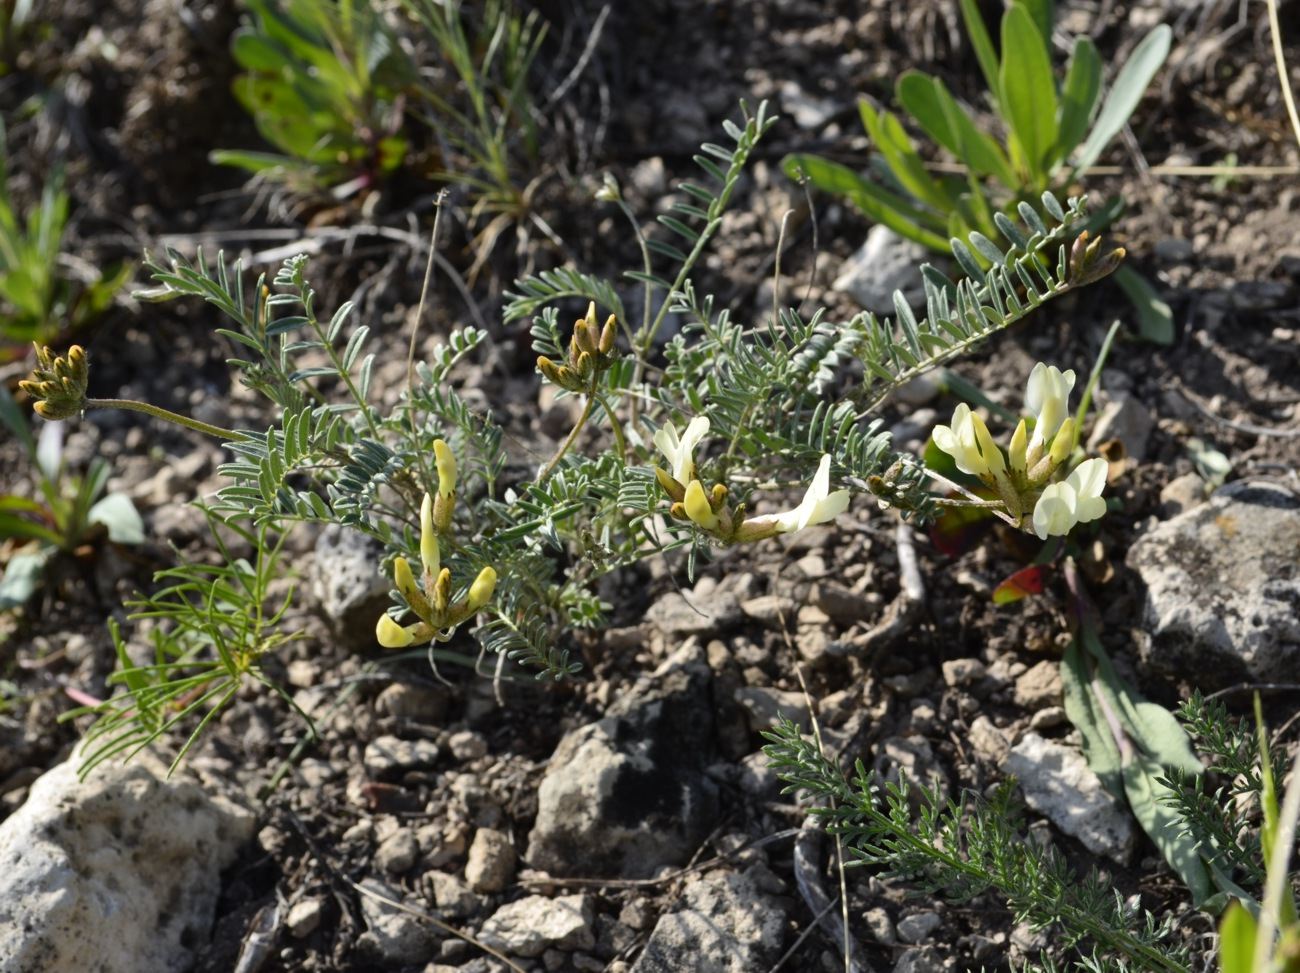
x: 564, y: 447
x: 168, y: 416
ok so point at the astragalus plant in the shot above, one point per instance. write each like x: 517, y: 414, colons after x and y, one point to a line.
x: 788, y: 403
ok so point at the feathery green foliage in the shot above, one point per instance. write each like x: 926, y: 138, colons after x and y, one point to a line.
x: 966, y: 847
x: 1053, y: 130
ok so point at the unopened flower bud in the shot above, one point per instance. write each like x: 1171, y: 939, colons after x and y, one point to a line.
x: 429, y: 553
x: 1063, y: 443
x: 58, y: 383
x: 441, y: 594
x: 480, y: 592
x: 607, y: 335
x: 445, y: 460
x: 404, y: 578
x: 583, y: 337
x: 1017, y: 449
x: 671, y: 487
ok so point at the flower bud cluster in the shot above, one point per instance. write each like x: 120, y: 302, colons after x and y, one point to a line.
x: 1022, y: 476
x: 58, y: 383
x: 708, y: 508
x: 591, y: 351
x: 430, y: 597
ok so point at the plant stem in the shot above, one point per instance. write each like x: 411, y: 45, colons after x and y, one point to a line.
x: 564, y: 447
x: 168, y: 416
x: 614, y: 427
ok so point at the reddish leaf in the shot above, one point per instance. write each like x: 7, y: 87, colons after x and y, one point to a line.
x: 1025, y: 582
x: 955, y: 531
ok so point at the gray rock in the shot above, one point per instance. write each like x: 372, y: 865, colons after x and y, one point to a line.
x: 528, y: 927
x: 393, y: 936
x: 772, y: 610
x: 923, y: 959
x: 886, y: 262
x: 882, y: 927
x: 304, y: 917
x: 840, y: 603
x: 1057, y: 783
x: 1127, y: 420
x: 677, y: 615
x: 397, y: 853
x: 387, y: 756
x: 347, y: 582
x: 627, y: 795
x: 491, y: 862
x: 120, y: 872
x: 763, y: 705
x: 413, y: 703
x: 452, y: 896
x: 1223, y: 587
x: 963, y: 672
x: 1181, y: 494
x: 1040, y: 686
x: 727, y: 924
x: 807, y: 111
x: 467, y: 745
x: 988, y: 740
x: 918, y: 927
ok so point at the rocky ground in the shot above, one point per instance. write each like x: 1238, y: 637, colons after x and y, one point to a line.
x: 626, y: 820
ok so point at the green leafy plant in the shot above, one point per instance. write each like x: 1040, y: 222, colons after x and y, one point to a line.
x: 332, y: 87
x: 324, y: 82
x: 38, y: 299
x: 1259, y: 931
x: 63, y: 513
x: 1053, y: 130
x: 209, y: 627
x: 969, y: 846
x: 483, y: 117
x: 519, y: 555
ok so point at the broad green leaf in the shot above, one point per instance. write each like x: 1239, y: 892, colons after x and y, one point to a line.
x: 251, y: 161
x: 1237, y: 940
x: 254, y: 52
x: 22, y: 577
x: 984, y: 51
x: 935, y: 110
x: 1125, y: 93
x: 1150, y: 739
x: 1028, y: 89
x: 1078, y: 97
x: 11, y: 525
x: 1044, y: 14
x: 888, y: 136
x: 118, y: 514
x: 876, y: 203
x: 1155, y: 318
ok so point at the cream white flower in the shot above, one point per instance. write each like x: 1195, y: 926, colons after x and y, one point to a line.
x: 819, y: 503
x: 680, y: 451
x: 968, y: 442
x: 1047, y: 397
x: 1075, y: 500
